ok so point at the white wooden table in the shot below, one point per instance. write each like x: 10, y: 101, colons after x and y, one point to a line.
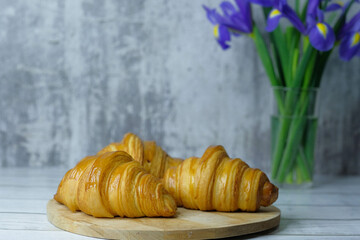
x: 329, y: 210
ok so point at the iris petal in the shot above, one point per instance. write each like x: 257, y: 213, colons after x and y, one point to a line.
x: 349, y: 46
x: 214, y: 17
x: 293, y: 18
x: 227, y: 8
x: 322, y: 37
x: 355, y: 39
x: 240, y: 24
x: 245, y: 10
x: 211, y: 14
x: 264, y: 3
x: 273, y: 20
x: 322, y: 28
x: 312, y: 6
x: 216, y: 31
x: 222, y: 35
x: 320, y: 15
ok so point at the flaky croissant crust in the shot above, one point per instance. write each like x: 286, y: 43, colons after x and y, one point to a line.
x: 112, y: 184
x: 150, y: 155
x: 217, y: 182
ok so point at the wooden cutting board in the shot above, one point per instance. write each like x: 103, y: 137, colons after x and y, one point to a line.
x: 187, y: 224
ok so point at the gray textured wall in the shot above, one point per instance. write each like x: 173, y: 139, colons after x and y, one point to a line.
x: 78, y: 74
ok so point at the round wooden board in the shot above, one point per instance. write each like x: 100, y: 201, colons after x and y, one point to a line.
x: 187, y: 224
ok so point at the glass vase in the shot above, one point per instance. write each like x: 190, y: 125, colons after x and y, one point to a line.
x: 293, y: 136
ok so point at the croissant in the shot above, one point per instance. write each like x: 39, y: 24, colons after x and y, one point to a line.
x: 151, y: 156
x: 112, y: 184
x: 217, y: 182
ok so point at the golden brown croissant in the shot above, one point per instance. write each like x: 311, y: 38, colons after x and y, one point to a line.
x: 112, y: 184
x: 217, y: 182
x: 151, y: 156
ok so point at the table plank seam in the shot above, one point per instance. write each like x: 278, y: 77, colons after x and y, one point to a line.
x: 313, y: 235
x: 35, y: 213
x: 317, y: 205
x: 34, y: 230
x: 321, y: 219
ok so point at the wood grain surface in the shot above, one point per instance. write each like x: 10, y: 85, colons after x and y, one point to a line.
x: 187, y: 224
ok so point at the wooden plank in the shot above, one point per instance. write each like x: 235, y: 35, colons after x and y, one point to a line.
x: 319, y: 227
x: 53, y: 172
x: 23, y: 221
x: 320, y: 212
x: 264, y: 236
x: 330, y: 189
x: 52, y: 235
x: 61, y: 234
x: 29, y: 182
x: 325, y: 199
x: 23, y: 206
x: 7, y: 192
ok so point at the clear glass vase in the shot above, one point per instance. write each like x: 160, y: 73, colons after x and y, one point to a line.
x: 293, y: 136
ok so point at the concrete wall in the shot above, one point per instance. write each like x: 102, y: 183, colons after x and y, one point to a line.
x: 78, y: 74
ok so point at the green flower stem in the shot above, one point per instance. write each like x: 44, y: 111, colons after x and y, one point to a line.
x: 297, y: 6
x: 296, y: 132
x: 293, y: 141
x: 295, y: 60
x: 280, y: 45
x: 294, y: 137
x: 266, y: 60
x: 280, y: 142
x: 299, y: 176
x: 293, y: 38
x: 289, y: 178
x: 285, y: 121
x: 281, y: 49
x: 303, y: 164
x: 278, y: 65
x: 303, y: 12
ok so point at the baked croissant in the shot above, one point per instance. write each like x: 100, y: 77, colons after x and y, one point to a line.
x: 151, y: 156
x: 217, y: 182
x: 112, y: 184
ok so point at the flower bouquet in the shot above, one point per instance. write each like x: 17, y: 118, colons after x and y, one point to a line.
x: 294, y: 58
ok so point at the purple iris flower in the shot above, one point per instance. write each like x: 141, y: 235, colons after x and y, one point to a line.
x: 232, y: 22
x: 350, y: 39
x: 321, y: 34
x: 280, y: 9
